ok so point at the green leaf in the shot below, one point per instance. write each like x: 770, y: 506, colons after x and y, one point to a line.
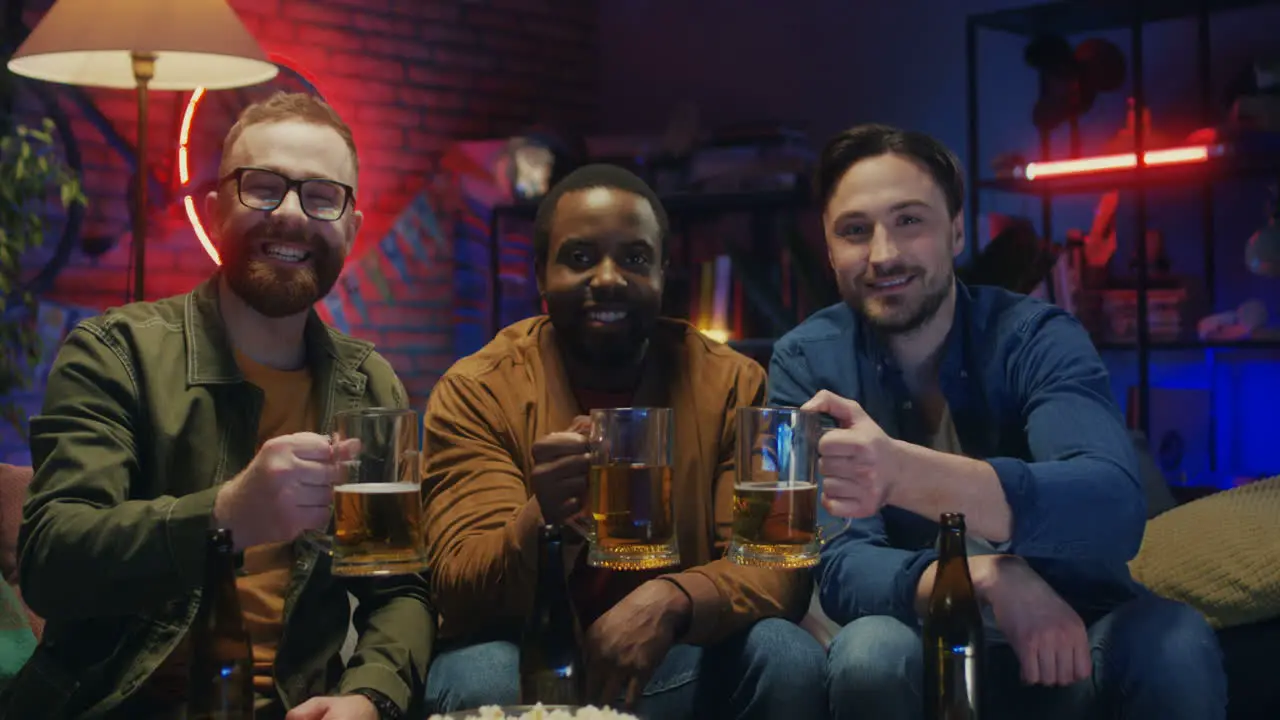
x: 31, y: 173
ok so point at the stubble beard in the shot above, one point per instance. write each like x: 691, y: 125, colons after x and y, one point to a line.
x: 890, y: 320
x: 276, y: 291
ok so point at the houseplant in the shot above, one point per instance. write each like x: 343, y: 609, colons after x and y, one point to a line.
x: 32, y: 173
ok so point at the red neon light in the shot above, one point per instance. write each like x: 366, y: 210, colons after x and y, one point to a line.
x: 184, y: 176
x: 184, y: 164
x: 1123, y: 161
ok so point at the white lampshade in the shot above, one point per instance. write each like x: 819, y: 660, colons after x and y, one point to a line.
x: 197, y: 43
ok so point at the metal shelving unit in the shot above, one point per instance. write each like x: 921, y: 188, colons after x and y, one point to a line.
x: 1067, y: 18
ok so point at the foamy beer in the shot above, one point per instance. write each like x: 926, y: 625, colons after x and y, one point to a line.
x: 775, y: 492
x: 377, y: 506
x: 632, y: 522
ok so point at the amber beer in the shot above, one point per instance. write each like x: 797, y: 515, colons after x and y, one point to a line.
x: 377, y: 507
x: 634, y: 527
x: 551, y: 668
x: 775, y: 496
x: 776, y: 521
x: 220, y: 685
x: 631, y: 513
x: 378, y: 529
x: 953, y: 638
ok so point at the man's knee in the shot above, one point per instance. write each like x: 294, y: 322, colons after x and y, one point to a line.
x: 782, y: 650
x: 471, y: 676
x: 873, y: 656
x: 1166, y: 640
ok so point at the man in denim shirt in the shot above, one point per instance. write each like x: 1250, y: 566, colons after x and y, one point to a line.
x: 996, y: 405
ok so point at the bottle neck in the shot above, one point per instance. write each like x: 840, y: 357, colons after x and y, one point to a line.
x: 951, y: 545
x: 551, y: 563
x: 220, y: 599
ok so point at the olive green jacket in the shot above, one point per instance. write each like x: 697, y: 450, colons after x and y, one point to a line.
x: 145, y: 414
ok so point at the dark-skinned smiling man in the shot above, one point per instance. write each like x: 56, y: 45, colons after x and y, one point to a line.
x: 505, y: 454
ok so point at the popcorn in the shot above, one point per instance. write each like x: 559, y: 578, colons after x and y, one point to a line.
x: 539, y: 712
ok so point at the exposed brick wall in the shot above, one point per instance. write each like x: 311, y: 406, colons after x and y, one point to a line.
x: 411, y: 77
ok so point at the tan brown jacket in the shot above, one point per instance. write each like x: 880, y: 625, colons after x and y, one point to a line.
x: 481, y: 422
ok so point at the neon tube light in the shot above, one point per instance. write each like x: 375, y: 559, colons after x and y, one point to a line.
x: 184, y: 176
x: 1123, y: 161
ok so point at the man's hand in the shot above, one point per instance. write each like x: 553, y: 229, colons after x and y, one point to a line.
x: 287, y: 488
x: 1046, y: 634
x: 858, y: 461
x: 628, y: 643
x: 559, y: 479
x: 346, y: 707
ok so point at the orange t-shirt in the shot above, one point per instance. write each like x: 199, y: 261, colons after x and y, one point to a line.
x: 287, y: 408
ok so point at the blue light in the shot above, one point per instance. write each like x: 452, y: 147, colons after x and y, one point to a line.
x: 1241, y: 385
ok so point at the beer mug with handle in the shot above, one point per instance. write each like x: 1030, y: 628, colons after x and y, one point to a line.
x: 777, y: 519
x: 377, y: 501
x: 630, y: 520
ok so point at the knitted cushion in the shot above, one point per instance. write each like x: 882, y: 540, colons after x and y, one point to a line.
x: 1219, y: 554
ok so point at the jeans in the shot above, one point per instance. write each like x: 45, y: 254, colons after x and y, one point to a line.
x: 1152, y: 658
x: 772, y: 670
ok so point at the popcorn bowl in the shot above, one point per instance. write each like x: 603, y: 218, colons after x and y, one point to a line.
x: 536, y: 712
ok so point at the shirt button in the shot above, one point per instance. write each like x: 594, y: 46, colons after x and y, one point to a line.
x: 964, y: 374
x: 906, y: 405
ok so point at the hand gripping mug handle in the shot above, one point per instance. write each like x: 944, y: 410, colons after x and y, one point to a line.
x: 322, y: 540
x: 829, y: 527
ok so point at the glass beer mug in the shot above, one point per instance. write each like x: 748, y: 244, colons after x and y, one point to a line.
x: 777, y: 519
x: 377, y: 503
x: 631, y: 523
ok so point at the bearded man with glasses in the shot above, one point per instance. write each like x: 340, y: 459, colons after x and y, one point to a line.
x: 165, y: 419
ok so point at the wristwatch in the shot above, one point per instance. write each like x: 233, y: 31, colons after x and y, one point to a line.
x: 387, y: 710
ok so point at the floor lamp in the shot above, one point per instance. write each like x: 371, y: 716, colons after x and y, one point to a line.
x: 143, y: 45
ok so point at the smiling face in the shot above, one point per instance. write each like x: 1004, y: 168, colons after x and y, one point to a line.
x: 281, y: 262
x: 603, y: 275
x: 892, y: 242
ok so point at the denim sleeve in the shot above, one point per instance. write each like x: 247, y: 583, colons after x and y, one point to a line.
x: 859, y: 573
x: 790, y: 381
x: 1080, y: 497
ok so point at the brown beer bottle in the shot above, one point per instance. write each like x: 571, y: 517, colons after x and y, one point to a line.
x: 221, y: 680
x: 551, y: 667
x: 953, y: 642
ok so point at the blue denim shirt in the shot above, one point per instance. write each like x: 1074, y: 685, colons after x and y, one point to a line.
x: 1029, y: 394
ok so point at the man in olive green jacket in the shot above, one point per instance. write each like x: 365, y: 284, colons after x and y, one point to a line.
x: 163, y: 420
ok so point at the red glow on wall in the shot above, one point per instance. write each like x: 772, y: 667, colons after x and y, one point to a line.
x: 1123, y: 161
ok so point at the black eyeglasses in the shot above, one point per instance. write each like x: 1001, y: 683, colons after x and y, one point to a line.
x: 261, y: 189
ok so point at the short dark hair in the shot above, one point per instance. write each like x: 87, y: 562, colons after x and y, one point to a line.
x: 871, y: 140
x: 596, y: 175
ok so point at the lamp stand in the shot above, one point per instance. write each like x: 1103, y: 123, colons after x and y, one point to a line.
x: 144, y: 69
